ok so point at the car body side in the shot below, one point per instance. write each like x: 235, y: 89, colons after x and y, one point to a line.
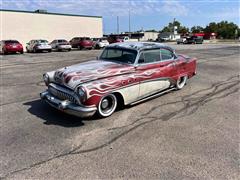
x: 132, y: 82
x: 141, y: 81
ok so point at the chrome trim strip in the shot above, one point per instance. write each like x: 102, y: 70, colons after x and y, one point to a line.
x: 145, y: 98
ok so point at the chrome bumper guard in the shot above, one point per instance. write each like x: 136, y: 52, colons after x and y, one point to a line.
x: 67, y: 106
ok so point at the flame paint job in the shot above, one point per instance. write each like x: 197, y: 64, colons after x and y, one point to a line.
x: 99, y: 78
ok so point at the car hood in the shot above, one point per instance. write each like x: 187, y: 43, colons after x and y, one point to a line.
x: 74, y: 75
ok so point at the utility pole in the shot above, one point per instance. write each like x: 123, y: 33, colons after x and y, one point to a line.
x: 173, y: 24
x: 117, y: 25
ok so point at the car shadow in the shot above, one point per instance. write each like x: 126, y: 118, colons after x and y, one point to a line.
x: 51, y: 116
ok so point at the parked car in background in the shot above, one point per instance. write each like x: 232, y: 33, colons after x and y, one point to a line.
x: 100, y: 42
x: 115, y: 39
x: 125, y: 73
x: 194, y: 40
x: 182, y: 40
x: 61, y: 44
x: 38, y: 45
x: 10, y: 46
x: 81, y: 43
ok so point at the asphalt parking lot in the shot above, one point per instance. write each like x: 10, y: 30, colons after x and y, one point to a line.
x: 192, y: 133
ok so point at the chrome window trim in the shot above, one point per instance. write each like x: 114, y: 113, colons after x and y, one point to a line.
x: 136, y: 64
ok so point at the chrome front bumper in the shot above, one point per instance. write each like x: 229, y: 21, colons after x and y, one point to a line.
x: 67, y: 106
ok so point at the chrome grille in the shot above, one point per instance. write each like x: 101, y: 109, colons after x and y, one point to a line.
x: 62, y: 95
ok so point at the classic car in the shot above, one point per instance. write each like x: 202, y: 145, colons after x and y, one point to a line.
x: 10, y: 46
x: 124, y: 74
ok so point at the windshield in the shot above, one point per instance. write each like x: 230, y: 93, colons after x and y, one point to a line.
x: 62, y: 40
x: 11, y: 42
x: 119, y: 55
x: 42, y: 41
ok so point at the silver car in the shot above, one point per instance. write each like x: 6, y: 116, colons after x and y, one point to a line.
x: 61, y: 44
x: 38, y: 45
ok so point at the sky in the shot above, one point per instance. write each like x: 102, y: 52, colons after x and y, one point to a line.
x: 144, y: 14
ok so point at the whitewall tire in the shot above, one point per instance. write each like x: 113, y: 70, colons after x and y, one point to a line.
x: 181, y: 82
x: 107, y: 105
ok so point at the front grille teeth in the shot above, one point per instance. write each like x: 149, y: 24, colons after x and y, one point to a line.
x: 62, y: 95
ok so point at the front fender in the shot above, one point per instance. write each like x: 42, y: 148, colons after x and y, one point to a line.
x: 126, y: 85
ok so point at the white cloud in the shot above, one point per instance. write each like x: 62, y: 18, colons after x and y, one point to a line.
x: 101, y: 7
x: 174, y: 8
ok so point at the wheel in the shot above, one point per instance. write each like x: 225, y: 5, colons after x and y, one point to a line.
x: 181, y: 82
x: 107, y: 105
x: 21, y: 52
x: 97, y: 47
x: 34, y: 50
x: 27, y: 50
x: 80, y: 47
x: 49, y: 50
x: 69, y: 49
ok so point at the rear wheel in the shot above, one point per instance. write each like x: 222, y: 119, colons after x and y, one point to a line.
x: 107, y: 105
x: 97, y: 47
x: 21, y: 52
x: 181, y: 82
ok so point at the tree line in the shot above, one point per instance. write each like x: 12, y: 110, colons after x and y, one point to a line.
x: 224, y: 29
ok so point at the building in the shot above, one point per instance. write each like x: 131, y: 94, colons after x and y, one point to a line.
x: 149, y: 36
x: 139, y: 36
x: 208, y: 36
x: 26, y: 25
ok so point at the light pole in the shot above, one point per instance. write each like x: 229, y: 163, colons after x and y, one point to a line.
x: 117, y: 25
x: 129, y: 21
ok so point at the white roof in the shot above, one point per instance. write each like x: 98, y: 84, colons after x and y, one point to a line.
x: 138, y: 45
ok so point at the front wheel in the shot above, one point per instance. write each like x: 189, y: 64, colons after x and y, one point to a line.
x: 107, y: 105
x: 181, y: 82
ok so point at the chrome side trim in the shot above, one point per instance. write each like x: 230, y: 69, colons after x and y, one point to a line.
x: 142, y: 99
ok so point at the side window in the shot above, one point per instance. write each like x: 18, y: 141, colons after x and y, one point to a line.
x: 150, y: 56
x: 166, y: 54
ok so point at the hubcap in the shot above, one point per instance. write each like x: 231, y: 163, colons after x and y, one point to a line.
x: 105, y: 103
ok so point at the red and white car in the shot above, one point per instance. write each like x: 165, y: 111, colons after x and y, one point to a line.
x: 10, y: 46
x: 125, y: 73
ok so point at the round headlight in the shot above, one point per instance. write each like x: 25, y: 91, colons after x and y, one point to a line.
x: 46, y: 78
x: 82, y: 94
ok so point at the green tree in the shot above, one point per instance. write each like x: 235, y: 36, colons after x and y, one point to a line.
x: 183, y: 30
x: 224, y: 29
x: 170, y: 27
x: 197, y: 29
